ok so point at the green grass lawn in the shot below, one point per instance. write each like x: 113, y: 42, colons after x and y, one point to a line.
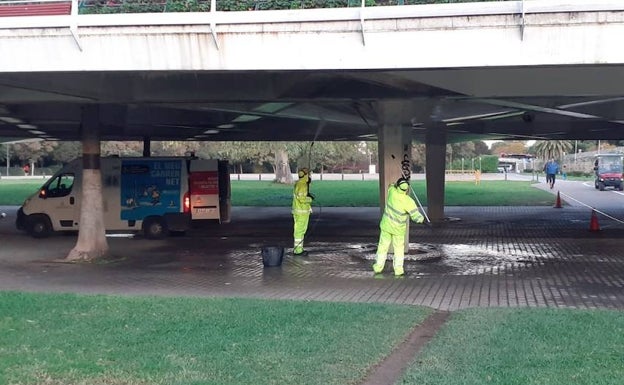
x: 56, y: 339
x: 13, y: 192
x: 345, y: 193
x: 524, y: 347
x: 366, y: 194
x: 59, y: 339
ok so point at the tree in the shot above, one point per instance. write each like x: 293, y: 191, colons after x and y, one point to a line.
x: 509, y: 147
x: 171, y: 148
x: 65, y: 152
x: 481, y: 148
x: 283, y: 173
x: 372, y: 150
x: 33, y: 151
x: 459, y: 154
x: 340, y: 156
x: 122, y: 148
x: 547, y: 149
x: 257, y: 154
x: 419, y: 157
x: 489, y: 163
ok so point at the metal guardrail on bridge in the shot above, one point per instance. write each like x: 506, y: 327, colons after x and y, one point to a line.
x: 61, y: 7
x: 218, y: 11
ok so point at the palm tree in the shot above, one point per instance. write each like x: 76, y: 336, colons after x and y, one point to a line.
x: 547, y: 149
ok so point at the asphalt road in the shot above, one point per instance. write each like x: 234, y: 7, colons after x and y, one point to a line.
x: 579, y: 194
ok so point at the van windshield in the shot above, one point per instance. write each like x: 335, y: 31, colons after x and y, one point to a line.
x: 60, y: 186
x: 610, y: 165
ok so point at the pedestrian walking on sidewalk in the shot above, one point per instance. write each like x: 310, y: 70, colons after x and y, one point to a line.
x: 551, y: 168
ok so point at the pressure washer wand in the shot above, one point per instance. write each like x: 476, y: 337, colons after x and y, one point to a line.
x: 320, y: 126
x: 416, y: 196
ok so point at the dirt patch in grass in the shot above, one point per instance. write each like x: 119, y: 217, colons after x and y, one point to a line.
x: 388, y: 371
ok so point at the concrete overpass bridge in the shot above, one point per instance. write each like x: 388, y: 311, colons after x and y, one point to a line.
x: 534, y: 69
x: 544, y: 69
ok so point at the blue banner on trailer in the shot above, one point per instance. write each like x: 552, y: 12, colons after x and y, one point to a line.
x: 150, y: 187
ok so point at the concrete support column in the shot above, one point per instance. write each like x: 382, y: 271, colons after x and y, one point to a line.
x: 395, y: 147
x: 395, y: 157
x: 395, y: 151
x: 436, y: 166
x: 91, y: 243
x: 147, y: 147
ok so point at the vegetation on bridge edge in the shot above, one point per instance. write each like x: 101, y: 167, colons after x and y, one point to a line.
x: 143, y: 6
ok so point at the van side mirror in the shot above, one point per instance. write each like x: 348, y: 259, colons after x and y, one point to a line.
x: 43, y: 194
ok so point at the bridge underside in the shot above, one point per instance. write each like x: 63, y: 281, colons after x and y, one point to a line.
x: 562, y: 102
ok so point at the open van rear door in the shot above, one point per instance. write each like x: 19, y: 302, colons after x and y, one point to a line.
x: 204, y: 189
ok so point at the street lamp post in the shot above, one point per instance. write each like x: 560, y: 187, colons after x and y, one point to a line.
x: 451, y: 157
x: 8, y: 160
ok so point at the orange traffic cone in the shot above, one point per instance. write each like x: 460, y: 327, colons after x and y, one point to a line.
x: 558, y: 202
x: 593, y: 223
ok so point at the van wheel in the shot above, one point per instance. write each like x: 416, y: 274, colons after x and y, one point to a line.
x: 621, y: 187
x: 601, y: 186
x: 154, y: 228
x: 39, y: 226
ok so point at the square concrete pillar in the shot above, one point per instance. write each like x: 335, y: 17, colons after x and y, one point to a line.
x: 395, y: 161
x: 395, y: 157
x: 436, y: 166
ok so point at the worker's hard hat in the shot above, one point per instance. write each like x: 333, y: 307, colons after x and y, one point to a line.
x: 402, y: 184
x: 303, y: 171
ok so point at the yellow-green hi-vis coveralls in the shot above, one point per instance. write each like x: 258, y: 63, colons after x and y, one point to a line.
x: 301, y: 209
x: 400, y: 207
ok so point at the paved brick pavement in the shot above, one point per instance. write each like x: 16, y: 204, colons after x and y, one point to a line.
x: 485, y: 257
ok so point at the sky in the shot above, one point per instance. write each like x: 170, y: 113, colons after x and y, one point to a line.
x: 490, y: 142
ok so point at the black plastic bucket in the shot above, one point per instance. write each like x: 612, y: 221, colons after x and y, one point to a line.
x: 272, y: 256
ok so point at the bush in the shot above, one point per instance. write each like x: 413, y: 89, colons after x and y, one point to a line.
x: 580, y: 174
x: 489, y: 163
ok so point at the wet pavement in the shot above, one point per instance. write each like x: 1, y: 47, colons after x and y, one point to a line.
x: 487, y: 257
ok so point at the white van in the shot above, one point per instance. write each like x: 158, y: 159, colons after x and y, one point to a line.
x: 152, y: 195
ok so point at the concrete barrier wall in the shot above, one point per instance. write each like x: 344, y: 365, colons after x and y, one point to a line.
x: 354, y: 177
x: 271, y: 177
x: 315, y: 177
x: 42, y: 178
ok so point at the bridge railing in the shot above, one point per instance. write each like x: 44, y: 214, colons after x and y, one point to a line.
x: 93, y: 13
x: 32, y: 8
x: 140, y: 6
x: 61, y: 7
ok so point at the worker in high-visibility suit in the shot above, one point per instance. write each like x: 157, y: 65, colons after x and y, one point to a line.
x: 400, y: 207
x: 301, y: 209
